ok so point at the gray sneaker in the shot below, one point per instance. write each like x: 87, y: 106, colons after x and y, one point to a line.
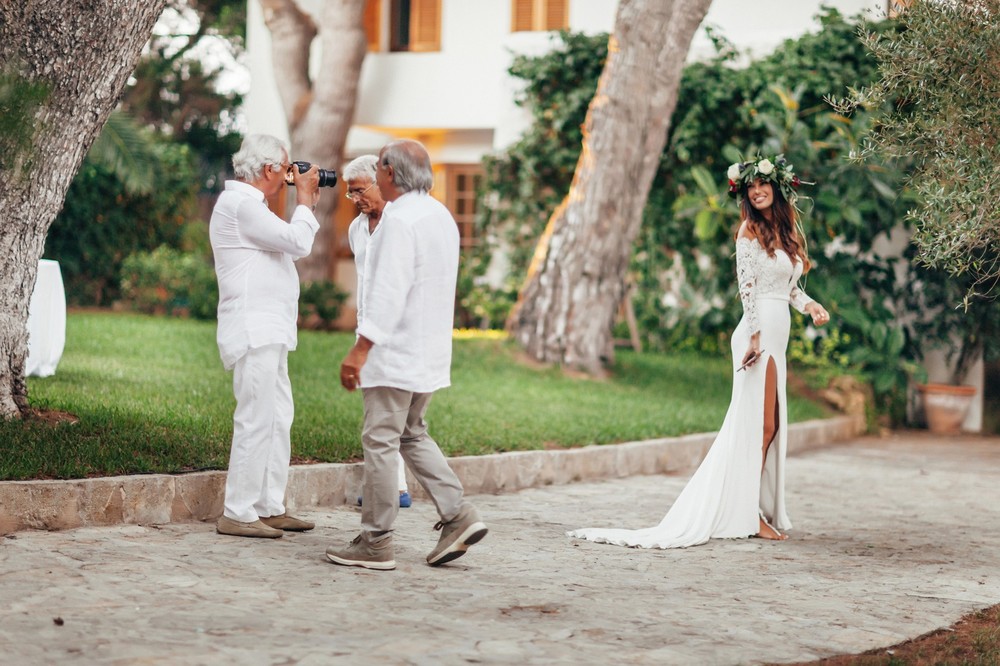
x: 365, y: 552
x: 457, y: 535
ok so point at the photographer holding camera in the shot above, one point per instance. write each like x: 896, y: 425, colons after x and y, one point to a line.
x: 258, y: 307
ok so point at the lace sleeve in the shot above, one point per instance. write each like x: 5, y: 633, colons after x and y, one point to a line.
x: 746, y: 276
x: 799, y: 299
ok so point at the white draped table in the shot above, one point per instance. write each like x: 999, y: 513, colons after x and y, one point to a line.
x: 46, y: 321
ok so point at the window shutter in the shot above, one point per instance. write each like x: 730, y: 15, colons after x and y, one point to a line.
x: 425, y: 25
x: 372, y: 23
x: 556, y: 15
x: 522, y: 15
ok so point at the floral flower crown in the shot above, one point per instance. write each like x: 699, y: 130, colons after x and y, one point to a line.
x: 778, y: 172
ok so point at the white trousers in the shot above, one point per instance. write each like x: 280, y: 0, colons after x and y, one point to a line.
x: 262, y: 423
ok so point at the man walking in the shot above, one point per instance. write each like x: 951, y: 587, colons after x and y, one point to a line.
x: 258, y: 306
x: 403, y: 355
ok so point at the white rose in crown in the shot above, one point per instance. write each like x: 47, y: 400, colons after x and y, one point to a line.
x: 734, y: 171
x: 764, y: 167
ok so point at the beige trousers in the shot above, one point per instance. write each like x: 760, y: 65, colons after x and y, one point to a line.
x: 394, y: 422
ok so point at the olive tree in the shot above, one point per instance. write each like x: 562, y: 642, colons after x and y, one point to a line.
x: 938, y: 94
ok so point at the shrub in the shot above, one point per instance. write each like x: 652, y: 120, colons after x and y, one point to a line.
x: 101, y: 223
x: 168, y: 281
x: 320, y: 303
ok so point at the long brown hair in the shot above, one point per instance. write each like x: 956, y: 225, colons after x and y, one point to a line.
x: 781, y: 231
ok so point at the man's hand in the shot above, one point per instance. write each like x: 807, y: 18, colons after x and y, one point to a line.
x: 306, y: 186
x: 350, y: 369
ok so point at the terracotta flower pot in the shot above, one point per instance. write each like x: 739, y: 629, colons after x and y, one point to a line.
x: 946, y: 406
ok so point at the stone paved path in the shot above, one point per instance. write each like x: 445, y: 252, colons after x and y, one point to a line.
x: 894, y: 537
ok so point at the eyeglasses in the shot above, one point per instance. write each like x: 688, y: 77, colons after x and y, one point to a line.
x: 355, y: 194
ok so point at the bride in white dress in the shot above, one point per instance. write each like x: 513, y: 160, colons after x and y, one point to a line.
x: 739, y: 489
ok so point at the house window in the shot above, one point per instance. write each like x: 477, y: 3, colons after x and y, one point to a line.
x: 462, y: 182
x: 414, y: 25
x: 535, y: 15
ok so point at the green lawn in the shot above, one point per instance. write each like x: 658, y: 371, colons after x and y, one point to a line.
x: 152, y: 396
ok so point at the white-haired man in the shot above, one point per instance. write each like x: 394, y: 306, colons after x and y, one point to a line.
x: 258, y: 307
x: 402, y: 355
x: 359, y: 178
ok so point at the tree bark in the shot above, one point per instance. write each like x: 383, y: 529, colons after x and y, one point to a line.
x: 320, y: 111
x: 81, y: 53
x: 577, y: 278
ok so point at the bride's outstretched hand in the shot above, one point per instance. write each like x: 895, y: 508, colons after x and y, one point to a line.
x: 818, y: 313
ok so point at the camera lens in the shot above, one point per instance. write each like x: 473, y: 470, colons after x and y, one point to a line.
x: 327, y: 177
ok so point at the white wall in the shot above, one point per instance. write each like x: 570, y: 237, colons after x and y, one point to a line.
x: 758, y: 27
x: 465, y: 86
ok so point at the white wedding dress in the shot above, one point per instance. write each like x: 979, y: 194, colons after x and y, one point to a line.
x: 727, y: 494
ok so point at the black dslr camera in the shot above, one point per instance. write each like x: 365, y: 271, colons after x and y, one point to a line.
x: 327, y: 177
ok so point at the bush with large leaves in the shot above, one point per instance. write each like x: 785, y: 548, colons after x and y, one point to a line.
x: 683, y: 265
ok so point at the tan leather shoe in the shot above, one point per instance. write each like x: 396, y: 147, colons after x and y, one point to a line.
x: 288, y: 523
x: 255, y: 529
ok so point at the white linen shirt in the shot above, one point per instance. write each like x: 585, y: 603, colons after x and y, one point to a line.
x: 258, y: 283
x: 409, y: 296
x: 358, y: 237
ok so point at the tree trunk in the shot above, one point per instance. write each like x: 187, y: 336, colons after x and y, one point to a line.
x: 577, y: 278
x: 320, y: 111
x: 79, y: 54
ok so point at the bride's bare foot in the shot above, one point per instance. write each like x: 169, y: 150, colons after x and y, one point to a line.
x: 768, y: 532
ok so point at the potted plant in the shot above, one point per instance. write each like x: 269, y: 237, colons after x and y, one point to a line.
x: 966, y: 328
x: 946, y: 406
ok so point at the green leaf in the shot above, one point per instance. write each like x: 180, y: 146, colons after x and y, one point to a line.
x: 895, y: 342
x: 704, y: 224
x: 123, y: 149
x: 706, y: 183
x: 883, y: 189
